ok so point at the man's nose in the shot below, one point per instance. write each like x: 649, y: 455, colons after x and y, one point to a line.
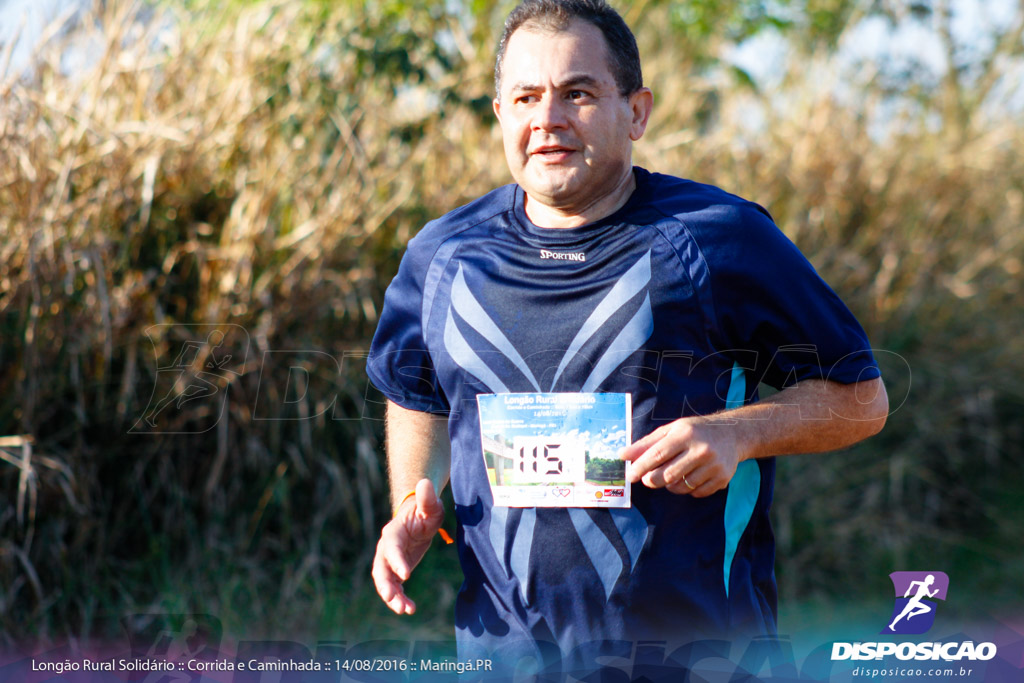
x: 550, y: 114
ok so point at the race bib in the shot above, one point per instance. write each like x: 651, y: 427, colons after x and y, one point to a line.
x: 556, y: 449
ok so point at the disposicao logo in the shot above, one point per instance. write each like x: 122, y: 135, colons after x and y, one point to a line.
x: 916, y: 592
x: 914, y: 613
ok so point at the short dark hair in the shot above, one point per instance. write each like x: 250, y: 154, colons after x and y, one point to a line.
x: 556, y: 15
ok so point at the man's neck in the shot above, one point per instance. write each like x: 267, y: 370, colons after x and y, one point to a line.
x: 546, y: 216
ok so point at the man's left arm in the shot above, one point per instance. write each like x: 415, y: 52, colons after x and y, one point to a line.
x: 699, y: 455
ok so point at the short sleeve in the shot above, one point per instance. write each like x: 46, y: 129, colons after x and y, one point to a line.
x: 399, y: 363
x: 773, y: 308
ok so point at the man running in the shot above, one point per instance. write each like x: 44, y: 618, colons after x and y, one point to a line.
x: 591, y: 275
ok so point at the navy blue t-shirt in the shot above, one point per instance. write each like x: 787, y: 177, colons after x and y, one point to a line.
x: 686, y: 298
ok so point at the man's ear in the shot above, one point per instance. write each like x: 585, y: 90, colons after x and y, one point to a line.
x: 496, y: 105
x: 641, y: 103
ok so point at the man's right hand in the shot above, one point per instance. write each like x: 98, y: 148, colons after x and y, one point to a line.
x: 403, y: 542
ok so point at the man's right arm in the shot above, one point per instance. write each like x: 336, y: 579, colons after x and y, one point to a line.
x: 419, y: 460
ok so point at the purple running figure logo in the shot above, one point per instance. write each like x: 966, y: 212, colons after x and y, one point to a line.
x: 914, y: 609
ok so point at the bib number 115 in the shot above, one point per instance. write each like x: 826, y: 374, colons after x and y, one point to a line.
x: 542, y: 460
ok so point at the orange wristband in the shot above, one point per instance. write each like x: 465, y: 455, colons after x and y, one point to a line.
x: 441, y: 532
x: 402, y: 502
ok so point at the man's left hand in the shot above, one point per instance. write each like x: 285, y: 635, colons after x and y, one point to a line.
x: 689, y: 456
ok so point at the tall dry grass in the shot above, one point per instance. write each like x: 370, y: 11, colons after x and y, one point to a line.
x: 263, y: 168
x: 249, y: 169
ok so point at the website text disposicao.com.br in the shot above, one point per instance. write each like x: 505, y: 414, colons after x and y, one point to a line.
x: 903, y: 673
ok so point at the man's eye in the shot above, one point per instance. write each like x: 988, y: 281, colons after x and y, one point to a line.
x: 576, y: 94
x: 526, y: 99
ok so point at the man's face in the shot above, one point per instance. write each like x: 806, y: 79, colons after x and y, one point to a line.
x: 567, y: 130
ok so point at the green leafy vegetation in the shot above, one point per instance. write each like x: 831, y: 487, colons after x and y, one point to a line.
x: 605, y: 471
